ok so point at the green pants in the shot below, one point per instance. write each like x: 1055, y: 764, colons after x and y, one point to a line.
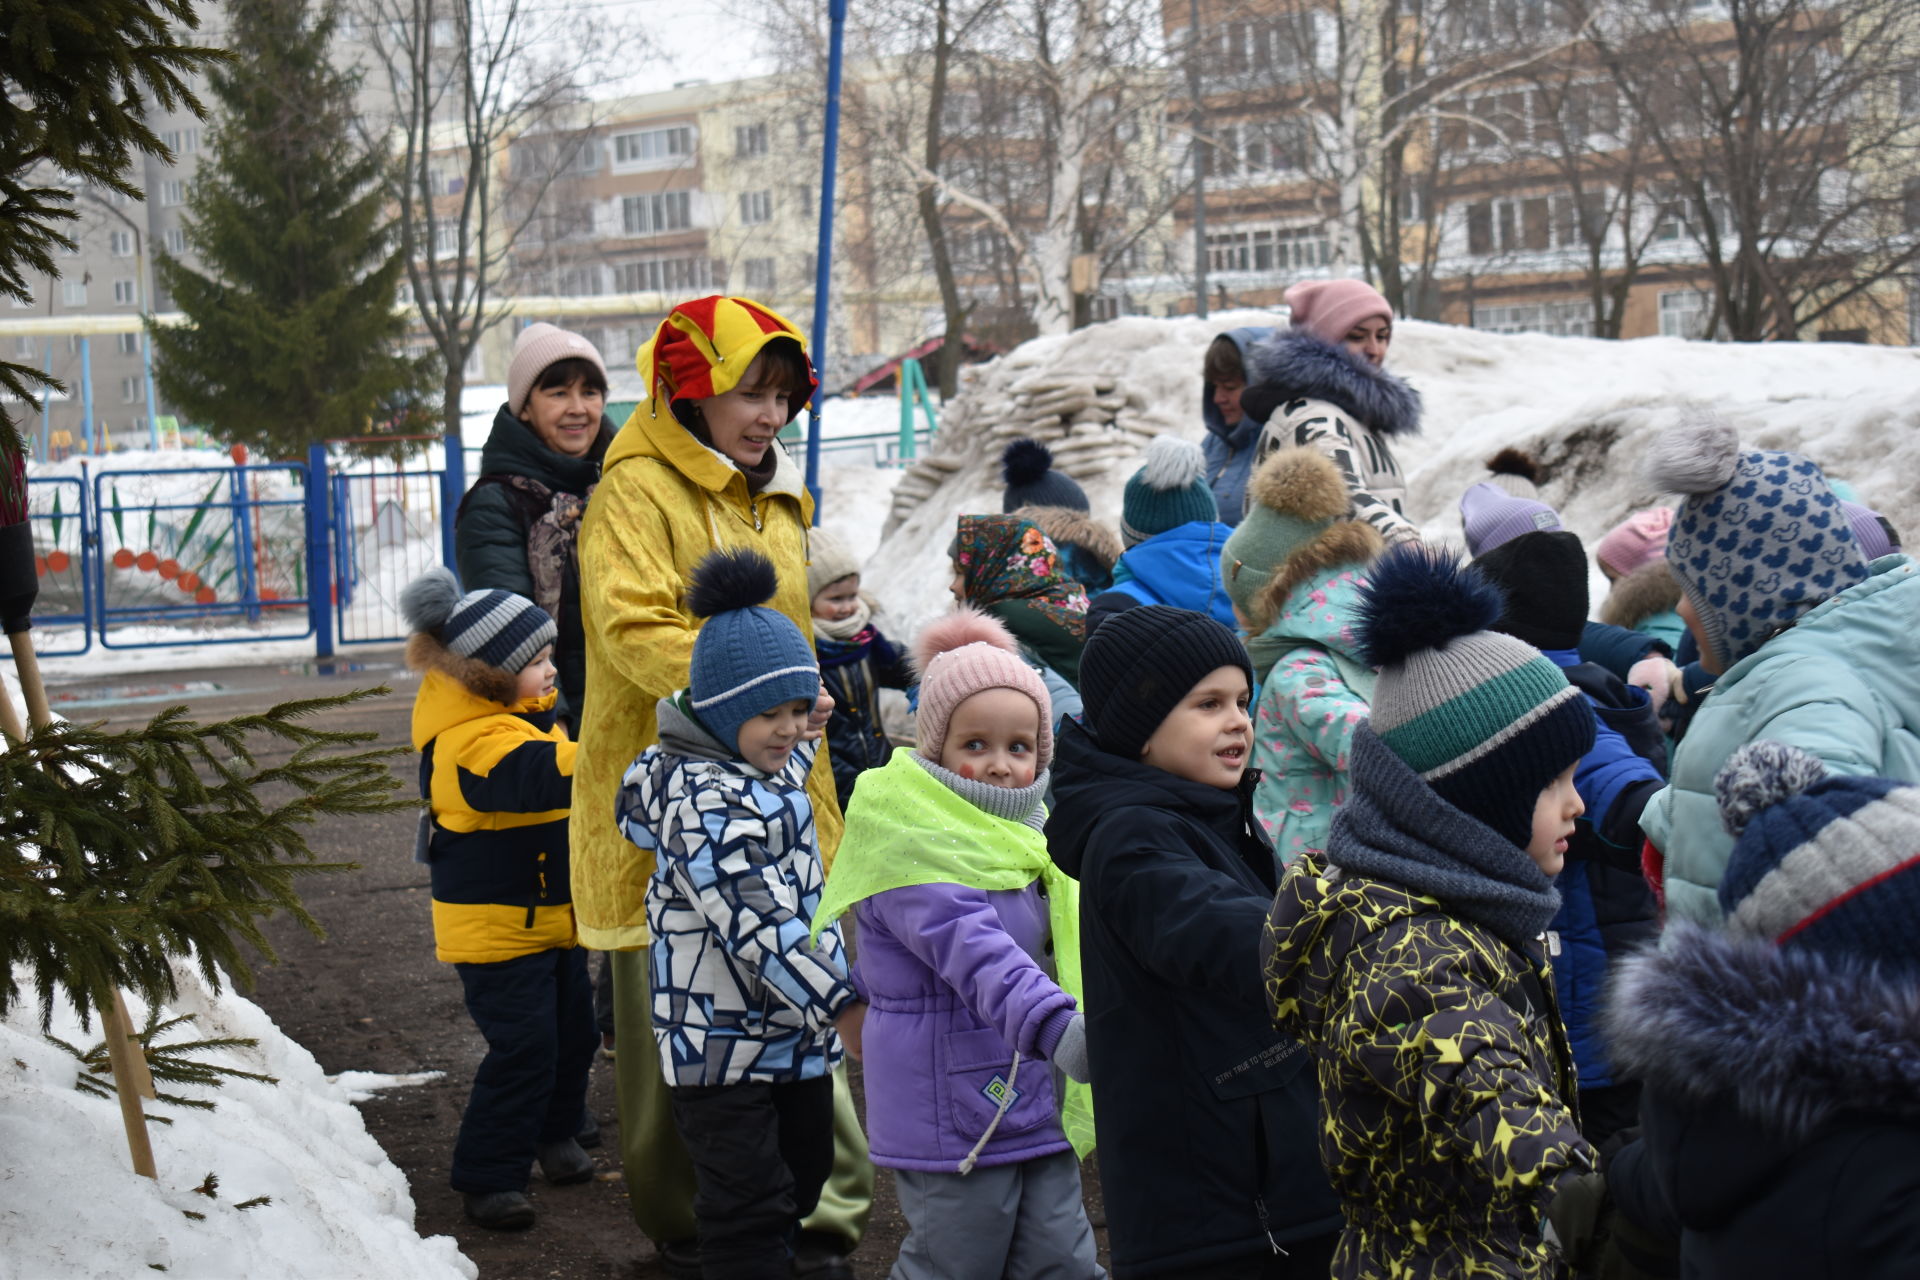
x: 659, y: 1175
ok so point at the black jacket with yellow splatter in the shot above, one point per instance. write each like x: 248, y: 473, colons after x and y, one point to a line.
x: 499, y: 781
x: 1446, y: 1083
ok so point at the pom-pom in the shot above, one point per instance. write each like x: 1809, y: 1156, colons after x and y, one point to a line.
x: 1172, y: 463
x: 430, y: 599
x: 1420, y: 597
x: 1024, y: 462
x: 964, y: 626
x: 1696, y: 458
x: 1759, y: 775
x: 728, y: 580
x: 1517, y: 462
x: 1302, y: 483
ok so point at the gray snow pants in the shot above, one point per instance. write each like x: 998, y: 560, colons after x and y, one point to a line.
x: 1018, y: 1221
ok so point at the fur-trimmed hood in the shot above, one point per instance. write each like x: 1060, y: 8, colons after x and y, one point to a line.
x: 1295, y: 364
x: 1651, y: 589
x: 1792, y: 1039
x: 1065, y: 526
x: 489, y: 684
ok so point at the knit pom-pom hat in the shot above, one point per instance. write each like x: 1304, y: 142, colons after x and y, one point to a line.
x: 704, y: 347
x: 1759, y: 540
x: 496, y: 628
x: 1026, y: 467
x: 1295, y: 526
x: 828, y: 561
x: 1543, y: 578
x: 1486, y: 720
x: 1515, y: 472
x: 1822, y: 861
x: 1169, y: 490
x: 965, y: 653
x: 747, y: 658
x: 1635, y: 542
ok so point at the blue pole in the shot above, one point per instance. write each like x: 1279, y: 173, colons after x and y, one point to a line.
x: 86, y: 395
x: 823, y: 259
x: 153, y: 416
x: 453, y: 486
x: 319, y: 559
x: 243, y: 564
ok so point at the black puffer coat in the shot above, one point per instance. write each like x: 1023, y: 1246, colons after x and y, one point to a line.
x: 1205, y: 1114
x: 497, y: 517
x: 854, y: 671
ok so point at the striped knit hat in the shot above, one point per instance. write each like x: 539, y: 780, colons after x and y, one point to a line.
x: 1486, y: 720
x: 747, y: 658
x: 498, y: 628
x: 1822, y: 861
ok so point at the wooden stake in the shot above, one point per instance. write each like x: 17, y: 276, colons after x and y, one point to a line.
x: 9, y: 717
x: 26, y: 665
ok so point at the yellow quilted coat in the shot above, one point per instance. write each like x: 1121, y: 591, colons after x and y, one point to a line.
x: 665, y: 500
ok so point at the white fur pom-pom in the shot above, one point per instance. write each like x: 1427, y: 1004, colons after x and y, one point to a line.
x: 430, y: 599
x: 1698, y: 457
x: 1172, y: 463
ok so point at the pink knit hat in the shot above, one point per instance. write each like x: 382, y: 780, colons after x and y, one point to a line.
x: 1328, y: 309
x: 966, y: 653
x: 538, y: 346
x: 1635, y: 542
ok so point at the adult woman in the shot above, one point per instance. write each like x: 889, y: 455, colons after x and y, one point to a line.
x: 519, y: 524
x: 1005, y: 566
x: 696, y: 468
x: 1320, y: 385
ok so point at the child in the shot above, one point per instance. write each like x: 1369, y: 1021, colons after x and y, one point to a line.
x: 1782, y: 1057
x: 1504, y: 507
x: 1606, y: 909
x: 1293, y: 567
x: 856, y: 661
x: 745, y: 1005
x: 1409, y: 955
x: 1053, y: 500
x: 1644, y: 594
x: 1206, y: 1116
x: 1169, y: 522
x: 1813, y: 646
x: 1007, y: 568
x: 497, y: 774
x: 964, y: 922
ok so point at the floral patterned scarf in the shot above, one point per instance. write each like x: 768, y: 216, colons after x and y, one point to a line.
x: 1006, y: 558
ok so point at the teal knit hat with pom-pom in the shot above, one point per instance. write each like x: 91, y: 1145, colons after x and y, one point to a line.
x: 1170, y: 489
x: 1486, y: 720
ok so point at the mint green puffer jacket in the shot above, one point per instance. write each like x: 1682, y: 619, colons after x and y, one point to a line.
x: 1843, y: 684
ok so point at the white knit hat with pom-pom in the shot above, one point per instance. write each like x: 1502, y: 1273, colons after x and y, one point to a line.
x: 966, y: 653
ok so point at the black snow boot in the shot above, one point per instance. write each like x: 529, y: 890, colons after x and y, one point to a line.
x: 500, y: 1210
x: 563, y: 1162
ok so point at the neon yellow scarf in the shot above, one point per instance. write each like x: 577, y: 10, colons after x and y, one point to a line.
x: 905, y: 827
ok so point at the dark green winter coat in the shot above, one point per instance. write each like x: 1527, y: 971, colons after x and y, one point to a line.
x: 518, y: 481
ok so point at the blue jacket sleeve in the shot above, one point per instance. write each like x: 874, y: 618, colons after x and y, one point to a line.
x: 1617, y: 648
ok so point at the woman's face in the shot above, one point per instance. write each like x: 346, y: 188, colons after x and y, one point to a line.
x: 743, y: 422
x: 567, y: 419
x: 1369, y: 339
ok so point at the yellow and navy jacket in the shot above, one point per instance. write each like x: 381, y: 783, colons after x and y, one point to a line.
x: 499, y: 782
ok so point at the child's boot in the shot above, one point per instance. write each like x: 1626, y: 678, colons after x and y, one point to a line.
x: 563, y: 1162
x: 500, y: 1210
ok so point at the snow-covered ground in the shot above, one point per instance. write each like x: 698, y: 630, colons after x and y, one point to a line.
x: 71, y: 1206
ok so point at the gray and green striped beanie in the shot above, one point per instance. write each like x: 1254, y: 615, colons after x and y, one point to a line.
x: 1486, y: 720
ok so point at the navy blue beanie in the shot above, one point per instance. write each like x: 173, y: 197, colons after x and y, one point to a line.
x: 747, y: 658
x: 498, y: 628
x: 1027, y: 468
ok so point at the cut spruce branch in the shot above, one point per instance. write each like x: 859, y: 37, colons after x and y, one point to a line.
x: 172, y: 1063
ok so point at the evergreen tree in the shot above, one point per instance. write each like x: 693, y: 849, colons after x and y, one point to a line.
x: 292, y: 333
x: 76, y: 79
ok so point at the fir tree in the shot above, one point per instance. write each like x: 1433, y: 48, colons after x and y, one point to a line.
x: 76, y: 80
x: 292, y: 335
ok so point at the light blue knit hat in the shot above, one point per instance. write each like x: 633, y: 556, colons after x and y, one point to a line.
x: 747, y: 657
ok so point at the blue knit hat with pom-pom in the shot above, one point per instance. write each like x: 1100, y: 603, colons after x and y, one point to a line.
x: 1486, y: 720
x: 1027, y: 468
x: 1822, y: 861
x: 747, y: 658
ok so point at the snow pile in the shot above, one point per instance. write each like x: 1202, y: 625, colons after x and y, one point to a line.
x: 70, y: 1205
x: 1585, y: 407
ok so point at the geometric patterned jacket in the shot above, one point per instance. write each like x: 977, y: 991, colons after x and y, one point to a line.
x: 739, y: 993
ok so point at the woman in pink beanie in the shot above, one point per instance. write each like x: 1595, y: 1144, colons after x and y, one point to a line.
x: 1320, y: 385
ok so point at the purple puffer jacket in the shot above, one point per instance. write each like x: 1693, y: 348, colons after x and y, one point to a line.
x: 951, y: 976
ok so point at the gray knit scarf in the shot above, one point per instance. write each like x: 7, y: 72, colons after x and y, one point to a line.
x: 1012, y: 804
x: 1395, y: 828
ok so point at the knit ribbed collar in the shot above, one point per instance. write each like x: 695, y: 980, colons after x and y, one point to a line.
x: 1011, y: 804
x: 1394, y: 827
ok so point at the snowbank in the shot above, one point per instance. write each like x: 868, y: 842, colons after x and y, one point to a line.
x: 1587, y: 408
x: 71, y: 1206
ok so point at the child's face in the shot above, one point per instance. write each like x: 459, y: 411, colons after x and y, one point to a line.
x: 838, y: 600
x: 993, y: 737
x: 767, y: 740
x: 536, y: 678
x: 1207, y: 737
x: 1709, y: 661
x: 1553, y: 815
x: 958, y: 586
x: 743, y: 422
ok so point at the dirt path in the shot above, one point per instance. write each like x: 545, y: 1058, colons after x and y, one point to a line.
x: 371, y: 997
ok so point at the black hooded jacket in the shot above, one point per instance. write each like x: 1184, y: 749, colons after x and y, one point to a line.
x: 1206, y: 1116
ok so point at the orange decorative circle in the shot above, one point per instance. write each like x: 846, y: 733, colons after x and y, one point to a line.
x: 205, y: 595
x: 40, y: 566
x: 123, y: 558
x: 147, y: 561
x: 169, y: 569
x: 189, y: 583
x: 57, y: 561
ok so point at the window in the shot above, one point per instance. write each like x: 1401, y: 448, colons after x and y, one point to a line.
x: 73, y: 293
x: 182, y: 142
x: 23, y: 349
x: 129, y: 390
x: 1525, y: 224
x: 580, y: 282
x: 750, y: 140
x: 1249, y: 150
x: 129, y: 343
x: 1566, y: 319
x: 120, y: 243
x: 661, y: 275
x: 756, y: 207
x: 173, y: 192
x: 126, y: 291
x: 803, y: 200
x: 759, y: 275
x: 650, y: 215
x: 175, y: 241
x: 1268, y: 249
x: 652, y: 147
x: 1683, y: 313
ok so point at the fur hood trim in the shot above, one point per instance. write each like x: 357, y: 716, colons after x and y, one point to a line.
x: 1793, y: 1038
x: 425, y: 652
x: 1297, y: 364
x: 1648, y: 590
x: 1064, y: 524
x: 1341, y: 545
